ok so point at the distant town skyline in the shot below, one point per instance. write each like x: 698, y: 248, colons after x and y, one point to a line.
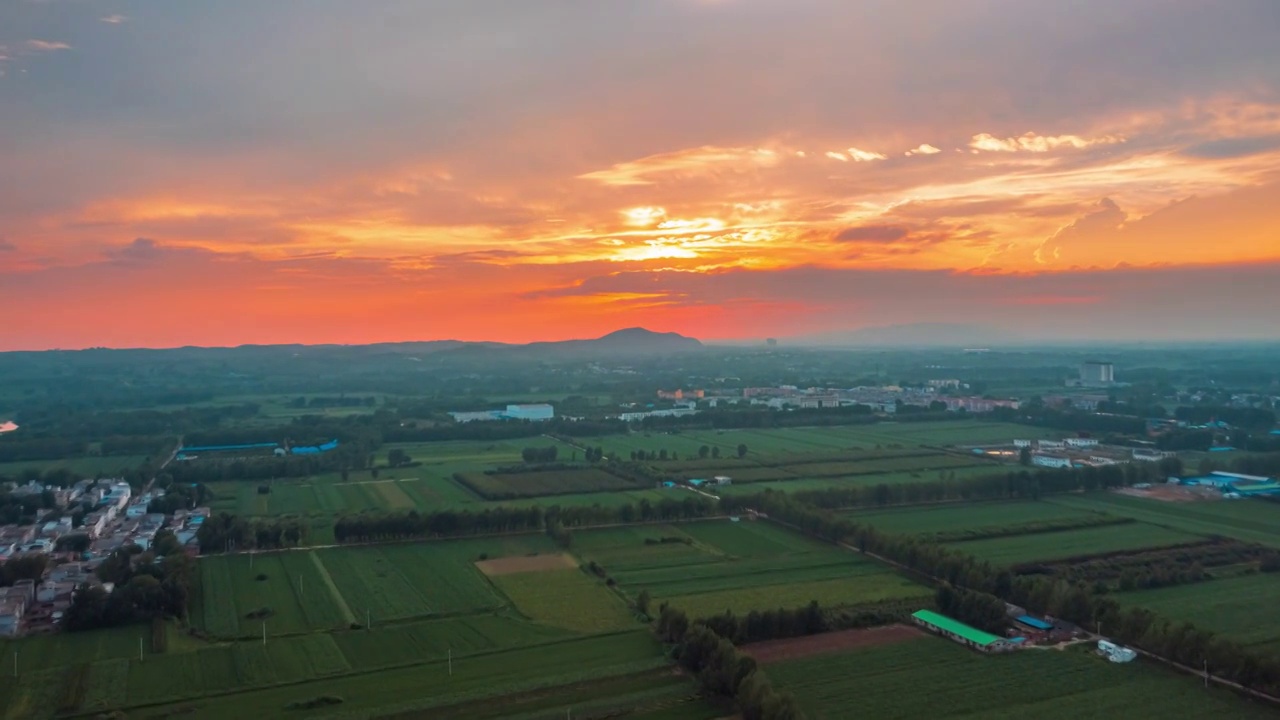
x: 329, y: 172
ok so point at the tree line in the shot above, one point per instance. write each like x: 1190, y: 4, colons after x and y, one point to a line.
x: 146, y: 586
x: 1071, y: 420
x: 1023, y: 484
x: 723, y: 671
x: 224, y: 532
x: 1244, y: 417
x: 372, y: 527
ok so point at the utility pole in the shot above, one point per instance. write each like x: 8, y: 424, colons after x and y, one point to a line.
x: 300, y: 590
x: 139, y: 649
x: 1206, y: 673
x: 264, y: 633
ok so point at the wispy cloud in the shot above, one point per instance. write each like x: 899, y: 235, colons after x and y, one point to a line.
x: 113, y: 19
x: 684, y: 162
x: 46, y: 45
x: 1031, y: 142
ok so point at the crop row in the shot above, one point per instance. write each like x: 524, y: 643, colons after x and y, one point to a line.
x: 931, y: 677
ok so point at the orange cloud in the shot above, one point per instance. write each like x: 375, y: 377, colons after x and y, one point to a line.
x: 647, y: 171
x: 1031, y: 142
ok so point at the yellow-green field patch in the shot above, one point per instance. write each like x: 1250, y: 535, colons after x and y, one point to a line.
x: 566, y: 599
x: 393, y: 496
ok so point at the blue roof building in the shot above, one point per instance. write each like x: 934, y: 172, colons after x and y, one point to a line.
x: 1033, y: 622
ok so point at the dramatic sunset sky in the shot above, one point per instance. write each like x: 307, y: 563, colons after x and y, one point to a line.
x: 218, y: 172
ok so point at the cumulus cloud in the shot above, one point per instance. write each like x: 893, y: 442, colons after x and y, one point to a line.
x: 872, y: 233
x: 113, y: 19
x: 46, y: 45
x: 923, y: 149
x: 1103, y: 217
x: 838, y: 156
x: 1031, y: 142
x: 864, y: 155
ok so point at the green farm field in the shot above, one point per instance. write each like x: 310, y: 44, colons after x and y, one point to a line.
x: 787, y: 594
x: 566, y: 599
x: 1248, y: 520
x: 429, y: 686
x: 740, y: 566
x: 775, y: 443
x: 750, y: 539
x: 622, y: 549
x: 1016, y: 549
x: 782, y: 459
x: 828, y: 483
x: 935, y: 678
x: 1240, y: 608
x: 550, y: 482
x: 89, y: 467
x: 410, y: 664
x: 310, y: 590
x: 294, y: 588
x: 964, y: 516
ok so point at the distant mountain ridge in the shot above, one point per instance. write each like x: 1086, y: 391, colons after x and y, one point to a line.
x: 634, y: 341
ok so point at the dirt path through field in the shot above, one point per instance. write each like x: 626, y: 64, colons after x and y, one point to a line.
x: 810, y: 645
x: 341, y: 602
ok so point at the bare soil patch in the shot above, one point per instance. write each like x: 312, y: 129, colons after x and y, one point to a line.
x: 810, y: 645
x: 1171, y: 493
x: 526, y: 563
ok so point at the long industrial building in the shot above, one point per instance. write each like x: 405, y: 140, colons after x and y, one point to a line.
x: 961, y: 633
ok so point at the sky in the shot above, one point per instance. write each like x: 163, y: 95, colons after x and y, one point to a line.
x: 325, y: 171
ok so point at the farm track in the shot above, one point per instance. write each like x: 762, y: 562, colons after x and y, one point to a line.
x: 338, y: 600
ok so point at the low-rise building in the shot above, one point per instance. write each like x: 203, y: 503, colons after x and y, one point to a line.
x: 1050, y: 461
x: 48, y: 592
x: 961, y: 633
x: 11, y: 617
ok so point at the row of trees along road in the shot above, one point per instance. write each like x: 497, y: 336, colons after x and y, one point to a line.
x: 372, y: 527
